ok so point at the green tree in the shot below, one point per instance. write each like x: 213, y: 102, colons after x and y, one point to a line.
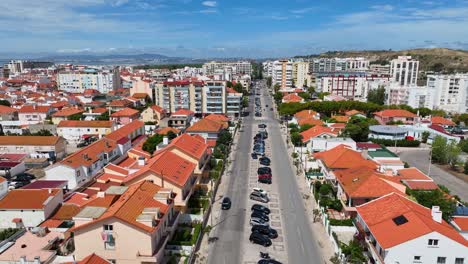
x: 453, y: 153
x: 322, y: 95
x: 305, y: 127
x: 423, y: 111
x: 276, y: 87
x: 304, y: 95
x: 278, y: 96
x: 77, y: 116
x: 439, y: 150
x: 435, y: 197
x: 464, y: 145
x: 296, y: 139
x: 104, y: 116
x: 229, y: 84
x: 5, y: 103
x: 425, y: 136
x: 42, y: 132
x: 353, y: 252
x: 171, y: 135
x: 461, y: 118
x: 437, y: 67
x: 311, y: 90
x: 437, y: 112
x: 376, y: 96
x: 465, y: 167
x: 239, y: 88
x: 152, y: 142
x: 357, y: 128
x: 268, y: 81
x: 224, y: 138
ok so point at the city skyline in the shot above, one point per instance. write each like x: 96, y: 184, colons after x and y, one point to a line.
x: 202, y: 29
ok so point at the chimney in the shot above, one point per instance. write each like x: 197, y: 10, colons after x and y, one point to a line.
x: 100, y: 194
x: 436, y: 214
x: 141, y: 161
x: 49, y: 190
x: 165, y: 141
x: 23, y: 259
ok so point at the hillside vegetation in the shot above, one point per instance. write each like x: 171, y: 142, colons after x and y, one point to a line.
x: 436, y: 59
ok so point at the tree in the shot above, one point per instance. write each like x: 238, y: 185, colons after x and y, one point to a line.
x: 437, y: 67
x: 239, y: 88
x: 377, y: 96
x: 311, y: 90
x: 453, y: 152
x: 435, y: 197
x: 305, y: 127
x: 464, y: 145
x: 438, y: 112
x: 353, y: 252
x: 171, y: 135
x: 104, y: 116
x: 425, y: 136
x: 5, y: 103
x: 423, y: 111
x: 296, y: 139
x: 77, y: 116
x: 278, y: 96
x: 229, y: 84
x: 357, y: 128
x: 152, y: 142
x: 268, y: 81
x: 276, y: 87
x: 465, y: 167
x: 304, y: 95
x: 439, y: 148
x: 42, y: 132
x: 224, y: 138
x: 322, y: 95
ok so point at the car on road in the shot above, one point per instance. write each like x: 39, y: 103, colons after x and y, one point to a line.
x: 262, y: 126
x: 264, y: 161
x: 268, y: 261
x: 260, y: 239
x: 259, y: 197
x: 264, y: 170
x: 226, y: 204
x: 261, y: 208
x: 260, y: 190
x: 258, y: 114
x: 258, y: 214
x: 254, y: 156
x: 264, y: 180
x: 265, y: 230
x: 257, y: 221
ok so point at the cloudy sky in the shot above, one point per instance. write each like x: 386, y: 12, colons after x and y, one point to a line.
x: 241, y: 28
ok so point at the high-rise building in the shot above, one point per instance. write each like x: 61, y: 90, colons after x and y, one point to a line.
x: 450, y: 91
x: 281, y: 73
x: 352, y: 87
x: 300, y: 74
x: 239, y: 67
x: 338, y: 64
x: 77, y: 81
x: 404, y: 70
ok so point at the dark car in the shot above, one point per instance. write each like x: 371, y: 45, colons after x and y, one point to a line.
x: 265, y: 161
x: 226, y: 204
x: 260, y: 239
x: 261, y: 208
x: 260, y: 215
x: 265, y: 230
x: 268, y: 261
x: 262, y: 126
x: 266, y: 180
x: 254, y: 156
x: 258, y: 114
x: 264, y: 170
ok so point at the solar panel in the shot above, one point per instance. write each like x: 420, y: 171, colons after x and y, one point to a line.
x: 399, y: 220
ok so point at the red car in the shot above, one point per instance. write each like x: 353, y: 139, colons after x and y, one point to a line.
x: 264, y: 176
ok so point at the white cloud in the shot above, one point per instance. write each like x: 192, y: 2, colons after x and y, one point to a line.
x: 303, y: 10
x: 210, y: 3
x: 208, y: 11
x: 383, y: 7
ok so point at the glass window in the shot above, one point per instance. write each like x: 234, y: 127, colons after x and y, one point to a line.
x: 441, y: 260
x: 433, y: 242
x: 459, y: 260
x: 417, y: 258
x: 108, y: 227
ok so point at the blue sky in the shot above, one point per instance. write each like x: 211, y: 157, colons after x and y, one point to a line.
x: 248, y: 28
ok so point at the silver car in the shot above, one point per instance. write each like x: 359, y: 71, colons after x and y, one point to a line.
x: 258, y: 221
x: 256, y: 196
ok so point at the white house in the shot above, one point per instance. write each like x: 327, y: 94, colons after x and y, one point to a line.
x: 28, y: 207
x: 33, y: 114
x: 76, y: 130
x: 398, y: 230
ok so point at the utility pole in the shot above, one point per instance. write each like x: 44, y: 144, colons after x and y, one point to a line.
x: 430, y: 161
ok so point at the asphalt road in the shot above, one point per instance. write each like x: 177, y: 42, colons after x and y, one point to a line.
x: 419, y: 158
x: 302, y: 246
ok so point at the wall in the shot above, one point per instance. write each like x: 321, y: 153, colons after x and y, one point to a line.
x: 31, y: 218
x: 61, y: 172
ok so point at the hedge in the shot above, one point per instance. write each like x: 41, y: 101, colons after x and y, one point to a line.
x: 344, y: 222
x: 399, y: 143
x: 6, y: 233
x: 185, y: 235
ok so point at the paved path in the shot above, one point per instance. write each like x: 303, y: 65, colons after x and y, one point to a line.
x: 419, y: 158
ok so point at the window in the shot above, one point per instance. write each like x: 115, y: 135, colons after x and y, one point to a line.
x: 459, y: 260
x: 417, y: 259
x: 441, y: 260
x: 112, y: 261
x: 108, y: 228
x: 433, y: 242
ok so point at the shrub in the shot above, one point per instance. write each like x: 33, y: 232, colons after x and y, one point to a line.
x: 344, y: 222
x: 6, y: 233
x: 399, y: 143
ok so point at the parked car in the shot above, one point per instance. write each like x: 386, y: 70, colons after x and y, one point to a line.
x: 261, y: 208
x: 264, y: 161
x: 259, y: 197
x: 264, y: 170
x: 260, y: 239
x: 226, y: 204
x: 260, y: 215
x: 265, y: 230
x: 268, y: 261
x: 264, y: 180
x: 258, y: 221
x: 265, y: 175
x: 262, y: 126
x: 254, y: 156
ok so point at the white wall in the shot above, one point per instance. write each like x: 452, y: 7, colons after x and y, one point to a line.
x: 61, y: 172
x: 31, y: 218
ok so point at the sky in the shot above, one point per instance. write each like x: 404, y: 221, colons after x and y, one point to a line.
x: 234, y: 28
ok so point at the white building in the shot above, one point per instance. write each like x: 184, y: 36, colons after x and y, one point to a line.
x: 78, y: 81
x: 339, y: 64
x: 398, y: 230
x: 281, y: 73
x: 28, y: 207
x: 379, y: 69
x: 404, y: 70
x: 75, y: 130
x: 238, y: 67
x: 300, y: 73
x: 450, y: 92
x: 352, y: 87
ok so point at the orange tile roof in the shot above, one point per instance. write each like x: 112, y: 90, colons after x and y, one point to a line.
x: 315, y: 132
x: 190, y: 145
x: 126, y: 130
x: 353, y: 112
x: 461, y: 222
x: 206, y: 125
x: 394, y: 113
x: 27, y: 198
x: 173, y: 168
x: 165, y: 130
x: 85, y: 123
x: 78, y: 199
x: 66, y: 212
x: 68, y: 112
x: 99, y: 110
x: 438, y: 120
x: 292, y: 98
x: 305, y: 114
x: 120, y: 103
x: 310, y: 121
x: 2, y: 179
x: 29, y: 140
x: 341, y: 119
x: 90, y: 154
x: 412, y: 174
x: 93, y: 259
x: 140, y: 95
x: 183, y: 112
x: 379, y: 214
x: 34, y: 109
x: 362, y: 182
x: 343, y: 157
x: 421, y: 185
x: 125, y: 112
x: 131, y: 204
x: 158, y: 109
x: 217, y: 117
x: 5, y: 109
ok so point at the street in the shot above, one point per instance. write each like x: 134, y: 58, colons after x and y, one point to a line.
x: 296, y: 243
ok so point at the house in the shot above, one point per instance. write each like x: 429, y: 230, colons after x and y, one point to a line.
x: 460, y: 220
x: 340, y: 158
x: 76, y: 130
x: 154, y: 114
x: 396, y: 115
x: 206, y: 128
x: 360, y: 185
x: 323, y: 143
x: 134, y: 229
x: 356, y: 113
x: 28, y: 208
x: 443, y: 122
x: 220, y: 118
x: 50, y: 147
x: 8, y: 113
x: 66, y: 114
x: 33, y: 114
x: 305, y: 114
x: 192, y: 148
x: 125, y: 116
x: 38, y: 246
x: 117, y: 105
x: 131, y: 131
x: 389, y: 162
x: 399, y: 230
x: 340, y: 118
x: 314, y: 133
x: 292, y: 98
x: 12, y: 164
x: 415, y: 179
x: 180, y: 119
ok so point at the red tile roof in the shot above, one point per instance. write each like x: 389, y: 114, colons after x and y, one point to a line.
x: 379, y: 214
x: 217, y: 117
x: 292, y: 98
x: 438, y: 120
x: 29, y: 140
x: 93, y: 259
x: 27, y: 199
x: 183, y: 112
x: 68, y: 112
x: 85, y: 123
x: 125, y: 112
x: 353, y: 112
x: 34, y: 109
x: 310, y: 121
x: 158, y: 109
x: 173, y: 168
x: 305, y: 114
x: 189, y: 145
x: 316, y: 131
x: 421, y: 185
x: 165, y: 130
x: 394, y: 113
x: 126, y: 130
x: 6, y: 110
x: 206, y: 125
x: 413, y: 174
x: 343, y: 157
x: 341, y: 119
x: 461, y: 222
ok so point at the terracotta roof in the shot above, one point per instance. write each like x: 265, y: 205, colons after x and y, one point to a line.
x: 131, y: 204
x: 99, y: 110
x: 394, y: 113
x: 140, y: 95
x: 126, y: 130
x: 120, y: 103
x: 206, y: 125
x: 5, y: 109
x: 27, y: 199
x: 93, y: 259
x: 310, y: 121
x: 438, y: 120
x: 412, y: 174
x: 90, y: 154
x: 315, y: 132
x: 85, y: 123
x: 379, y: 214
x: 362, y: 182
x: 183, y: 112
x: 190, y: 145
x: 217, y: 117
x: 68, y: 112
x: 461, y: 222
x: 421, y: 185
x: 343, y: 157
x: 292, y: 98
x: 353, y: 112
x: 173, y: 167
x: 125, y: 112
x: 34, y: 109
x: 158, y: 109
x: 164, y: 131
x: 305, y: 114
x: 29, y: 140
x: 66, y: 212
x: 341, y: 119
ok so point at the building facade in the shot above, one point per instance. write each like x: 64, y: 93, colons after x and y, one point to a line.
x: 78, y: 81
x: 239, y: 67
x: 404, y: 70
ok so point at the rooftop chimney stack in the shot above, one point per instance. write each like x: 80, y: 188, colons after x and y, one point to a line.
x: 436, y: 214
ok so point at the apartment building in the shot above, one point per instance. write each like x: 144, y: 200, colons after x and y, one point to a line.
x: 352, y: 87
x: 379, y: 69
x: 214, y: 97
x: 281, y: 73
x: 404, y: 70
x: 239, y: 67
x: 233, y: 103
x: 78, y: 81
x: 450, y: 92
x: 338, y: 64
x: 49, y: 147
x: 300, y: 74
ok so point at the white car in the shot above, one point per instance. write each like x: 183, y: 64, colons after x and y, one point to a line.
x: 260, y: 190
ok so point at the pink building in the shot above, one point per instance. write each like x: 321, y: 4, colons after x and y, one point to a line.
x: 395, y: 115
x: 125, y: 116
